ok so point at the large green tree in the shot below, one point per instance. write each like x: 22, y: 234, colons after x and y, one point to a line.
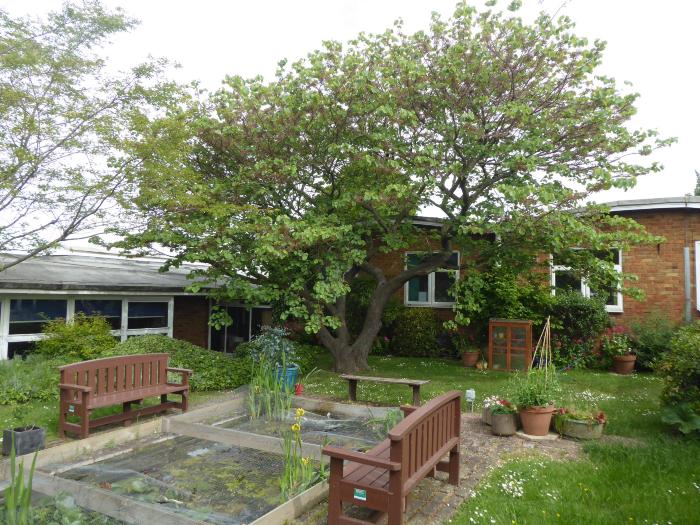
x: 290, y: 189
x: 63, y: 119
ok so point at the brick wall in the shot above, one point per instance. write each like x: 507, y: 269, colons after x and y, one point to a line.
x: 190, y: 320
x: 660, y: 267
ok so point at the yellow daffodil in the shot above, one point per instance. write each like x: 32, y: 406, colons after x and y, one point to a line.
x: 300, y: 412
x: 305, y: 461
x: 296, y: 427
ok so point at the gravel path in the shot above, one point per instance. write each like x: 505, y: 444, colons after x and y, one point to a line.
x: 434, y: 501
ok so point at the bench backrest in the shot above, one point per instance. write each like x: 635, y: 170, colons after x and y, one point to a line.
x: 425, y: 436
x: 113, y: 375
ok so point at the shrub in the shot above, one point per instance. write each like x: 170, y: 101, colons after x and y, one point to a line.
x: 83, y: 338
x: 416, y: 333
x: 210, y: 370
x: 577, y: 322
x: 305, y: 354
x: 651, y: 337
x: 32, y: 379
x: 273, y: 345
x: 680, y: 367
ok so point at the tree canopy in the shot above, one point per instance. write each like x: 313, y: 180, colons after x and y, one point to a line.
x: 63, y: 120
x: 291, y: 188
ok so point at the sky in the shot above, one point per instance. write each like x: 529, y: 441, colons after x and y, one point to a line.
x: 652, y: 44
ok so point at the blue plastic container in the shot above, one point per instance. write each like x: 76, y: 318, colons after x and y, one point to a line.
x: 288, y: 376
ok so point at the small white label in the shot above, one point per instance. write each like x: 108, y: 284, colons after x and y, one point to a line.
x: 71, y: 408
x: 360, y: 494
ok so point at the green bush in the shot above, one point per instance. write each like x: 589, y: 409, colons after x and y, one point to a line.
x: 210, y: 370
x: 651, y: 337
x: 32, y: 379
x: 305, y: 355
x: 577, y: 322
x: 680, y: 367
x: 416, y: 333
x: 83, y: 338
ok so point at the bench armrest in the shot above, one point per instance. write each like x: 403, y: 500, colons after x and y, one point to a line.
x: 408, y: 409
x: 179, y: 370
x: 359, y: 457
x: 79, y: 388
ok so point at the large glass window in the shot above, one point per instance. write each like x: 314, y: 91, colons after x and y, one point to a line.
x: 29, y: 316
x: 147, y: 315
x: 564, y: 279
x: 110, y: 309
x: 433, y: 289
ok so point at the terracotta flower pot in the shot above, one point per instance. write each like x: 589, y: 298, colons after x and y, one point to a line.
x: 624, y: 364
x: 469, y: 359
x: 536, y: 420
x: 503, y: 424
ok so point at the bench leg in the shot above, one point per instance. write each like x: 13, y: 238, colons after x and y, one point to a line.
x: 396, y: 500
x: 335, y: 505
x: 352, y: 389
x: 126, y: 409
x: 454, y: 466
x: 61, y: 419
x: 84, y: 422
x: 164, y: 398
x: 416, y: 395
x: 185, y: 400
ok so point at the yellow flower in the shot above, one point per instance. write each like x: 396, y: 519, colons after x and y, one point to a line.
x: 300, y: 412
x: 296, y: 427
x: 305, y: 461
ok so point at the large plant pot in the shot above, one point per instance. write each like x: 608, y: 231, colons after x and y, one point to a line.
x: 469, y: 359
x: 580, y: 429
x: 287, y: 376
x: 26, y: 440
x: 486, y: 415
x: 624, y: 364
x: 503, y: 424
x: 536, y: 420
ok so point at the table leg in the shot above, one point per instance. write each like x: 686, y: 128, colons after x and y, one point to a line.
x: 416, y: 395
x: 352, y: 389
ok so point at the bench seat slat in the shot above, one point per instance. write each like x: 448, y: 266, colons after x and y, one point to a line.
x: 390, y: 380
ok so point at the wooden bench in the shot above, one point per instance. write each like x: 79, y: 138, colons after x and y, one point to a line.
x: 382, y: 477
x: 415, y: 384
x: 123, y: 380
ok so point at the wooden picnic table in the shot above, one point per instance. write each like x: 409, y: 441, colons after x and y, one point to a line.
x: 415, y: 384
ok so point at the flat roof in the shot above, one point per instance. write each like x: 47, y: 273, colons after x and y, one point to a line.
x: 93, y: 273
x: 662, y: 203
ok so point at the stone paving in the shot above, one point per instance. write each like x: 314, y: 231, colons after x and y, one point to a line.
x: 434, y: 501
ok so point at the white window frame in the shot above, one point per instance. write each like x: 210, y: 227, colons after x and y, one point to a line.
x: 123, y: 333
x: 430, y: 303
x: 585, y: 288
x: 697, y: 275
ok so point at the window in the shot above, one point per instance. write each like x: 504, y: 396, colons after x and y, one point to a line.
x: 433, y: 289
x: 110, y: 309
x: 28, y: 316
x: 563, y: 278
x: 148, y: 315
x: 22, y: 319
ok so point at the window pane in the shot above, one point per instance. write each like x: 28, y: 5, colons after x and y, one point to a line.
x: 567, y: 281
x: 19, y: 349
x: 443, y: 285
x: 612, y: 256
x: 28, y: 316
x: 418, y: 289
x: 237, y: 332
x: 148, y: 315
x: 609, y: 294
x: 217, y: 339
x: 111, y: 310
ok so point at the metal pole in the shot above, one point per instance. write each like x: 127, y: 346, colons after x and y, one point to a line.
x: 686, y: 262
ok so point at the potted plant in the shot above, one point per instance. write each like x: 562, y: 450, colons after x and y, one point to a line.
x: 486, y: 411
x: 617, y: 345
x: 27, y: 438
x: 469, y: 352
x: 534, y: 393
x: 580, y: 424
x: 503, y: 418
x: 273, y: 347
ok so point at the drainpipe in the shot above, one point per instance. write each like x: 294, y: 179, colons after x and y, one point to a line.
x: 686, y: 261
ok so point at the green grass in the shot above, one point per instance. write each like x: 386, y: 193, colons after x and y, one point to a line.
x: 655, y: 479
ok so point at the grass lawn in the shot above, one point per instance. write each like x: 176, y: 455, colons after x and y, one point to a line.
x: 653, y: 480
